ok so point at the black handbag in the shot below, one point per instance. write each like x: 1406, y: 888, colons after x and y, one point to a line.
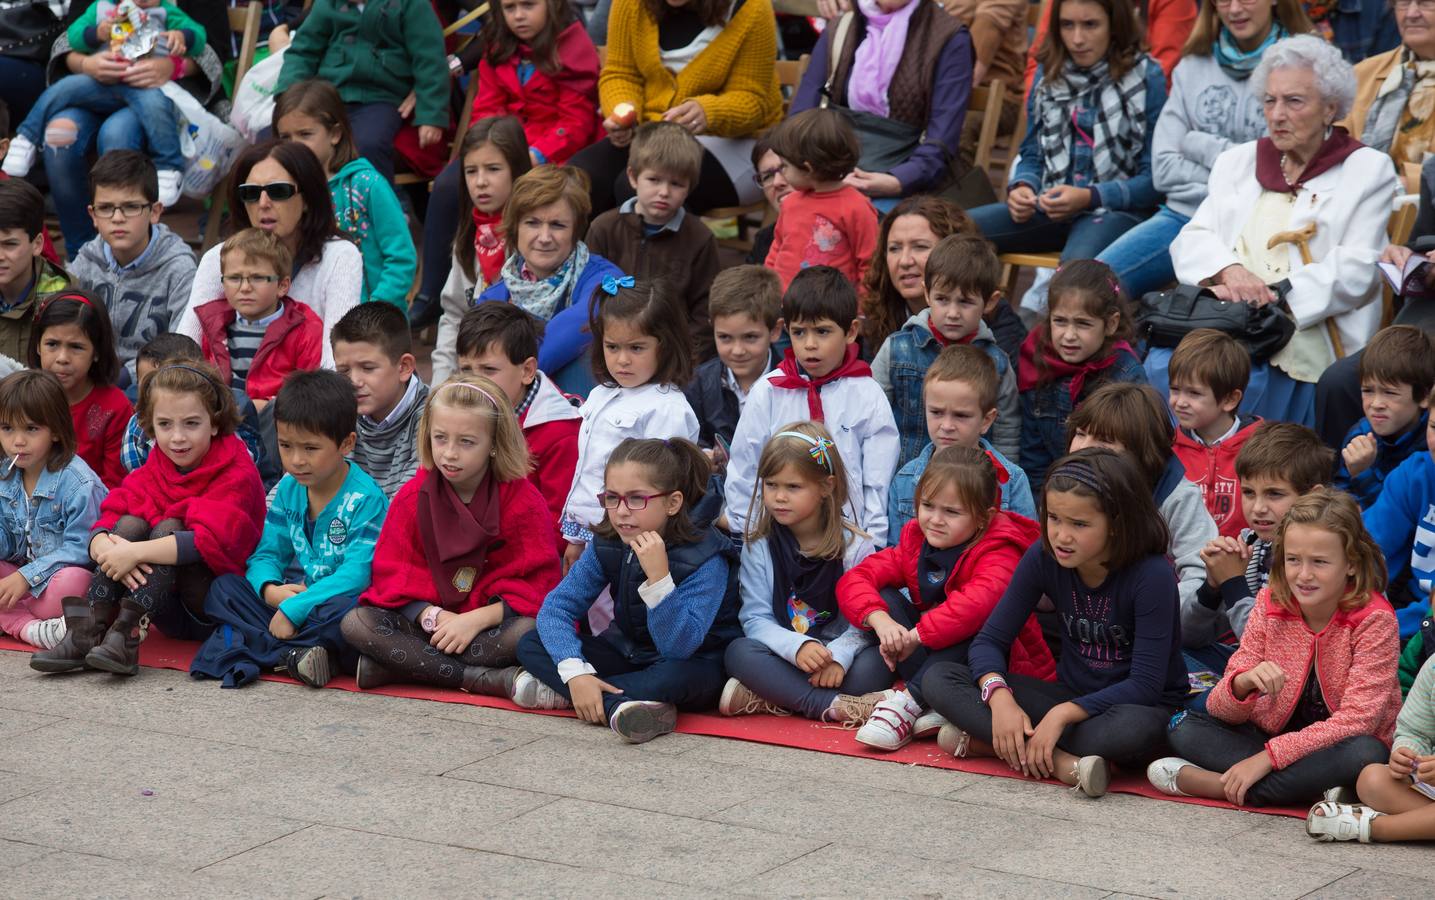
x: 27, y: 29
x: 1164, y: 317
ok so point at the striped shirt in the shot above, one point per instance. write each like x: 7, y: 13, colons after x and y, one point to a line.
x: 244, y: 340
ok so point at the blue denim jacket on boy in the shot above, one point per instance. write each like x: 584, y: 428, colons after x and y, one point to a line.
x: 50, y: 529
x: 901, y: 366
x: 902, y: 498
x: 1044, y: 410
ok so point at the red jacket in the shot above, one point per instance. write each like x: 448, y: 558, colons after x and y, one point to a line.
x: 559, y: 112
x: 977, y: 582
x: 100, y: 422
x: 521, y: 572
x: 293, y: 341
x: 550, y: 426
x: 1356, y: 658
x: 221, y: 500
x: 1213, y: 470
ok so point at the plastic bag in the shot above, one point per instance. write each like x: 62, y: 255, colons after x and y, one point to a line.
x: 208, y: 144
x: 254, y: 97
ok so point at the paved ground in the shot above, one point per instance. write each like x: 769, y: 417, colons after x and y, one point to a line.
x: 157, y: 787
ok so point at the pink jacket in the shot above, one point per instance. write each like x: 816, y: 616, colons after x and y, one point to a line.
x: 1356, y: 659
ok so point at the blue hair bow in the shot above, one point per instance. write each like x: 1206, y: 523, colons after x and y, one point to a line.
x: 611, y: 284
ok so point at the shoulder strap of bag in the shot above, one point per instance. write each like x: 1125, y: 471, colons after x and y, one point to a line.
x: 840, y: 31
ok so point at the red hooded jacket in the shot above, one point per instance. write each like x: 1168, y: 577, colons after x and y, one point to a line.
x: 522, y: 572
x: 1213, y: 470
x: 977, y: 582
x: 559, y: 112
x: 293, y: 341
x: 221, y: 500
x: 550, y: 426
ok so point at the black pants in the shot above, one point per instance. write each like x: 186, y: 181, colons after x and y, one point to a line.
x: 172, y: 596
x: 915, y: 667
x: 1337, y: 400
x: 440, y: 227
x: 1126, y: 734
x: 1206, y: 741
x: 393, y: 640
x: 607, y: 166
x: 375, y: 126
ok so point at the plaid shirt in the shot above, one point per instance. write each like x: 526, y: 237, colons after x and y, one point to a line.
x: 135, y: 447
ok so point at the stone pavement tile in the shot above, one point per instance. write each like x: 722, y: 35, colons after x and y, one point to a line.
x: 876, y: 773
x: 387, y: 799
x: 14, y: 854
x: 1143, y: 814
x: 839, y: 870
x: 97, y: 697
x: 68, y: 875
x: 14, y: 784
x: 1376, y: 886
x: 117, y: 823
x: 621, y: 774
x: 554, y: 726
x: 14, y: 721
x: 1287, y: 837
x: 646, y: 844
x: 321, y: 860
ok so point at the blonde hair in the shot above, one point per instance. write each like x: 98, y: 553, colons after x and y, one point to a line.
x: 485, y: 399
x: 815, y: 459
x: 1336, y: 512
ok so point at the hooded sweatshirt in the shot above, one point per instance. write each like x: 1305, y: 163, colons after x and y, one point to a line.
x: 1402, y: 522
x: 1390, y: 452
x: 145, y: 298
x: 1192, y: 528
x: 1212, y: 468
x: 550, y: 425
x: 367, y: 211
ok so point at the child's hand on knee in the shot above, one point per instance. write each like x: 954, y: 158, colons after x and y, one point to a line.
x: 812, y: 656
x: 829, y: 676
x: 275, y: 594
x: 12, y: 588
x: 587, y: 692
x: 891, y: 637
x: 281, y: 627
x: 1425, y: 769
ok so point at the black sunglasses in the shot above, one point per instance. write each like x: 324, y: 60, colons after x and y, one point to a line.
x: 278, y: 191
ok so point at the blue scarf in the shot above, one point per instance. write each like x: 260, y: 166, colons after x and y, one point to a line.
x: 1238, y: 63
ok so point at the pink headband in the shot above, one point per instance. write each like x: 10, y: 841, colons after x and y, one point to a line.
x: 473, y: 387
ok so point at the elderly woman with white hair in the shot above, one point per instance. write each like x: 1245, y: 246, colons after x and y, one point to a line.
x: 1297, y: 218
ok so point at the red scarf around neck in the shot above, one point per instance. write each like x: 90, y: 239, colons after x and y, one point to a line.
x: 792, y: 377
x: 1331, y: 154
x: 942, y: 340
x: 489, y: 251
x: 1030, y: 376
x: 457, y: 536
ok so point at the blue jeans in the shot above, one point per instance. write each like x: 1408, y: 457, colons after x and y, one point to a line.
x: 375, y: 126
x: 1141, y: 257
x: 21, y: 84
x: 1080, y: 238
x: 68, y: 168
x: 778, y: 681
x: 155, y: 112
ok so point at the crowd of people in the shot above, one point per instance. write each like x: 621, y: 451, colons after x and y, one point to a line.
x: 845, y: 480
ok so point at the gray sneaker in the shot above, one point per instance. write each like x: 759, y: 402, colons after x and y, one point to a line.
x: 639, y: 721
x: 530, y: 693
x: 310, y: 665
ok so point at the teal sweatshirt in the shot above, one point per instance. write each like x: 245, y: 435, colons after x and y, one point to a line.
x: 335, y: 551
x: 367, y: 210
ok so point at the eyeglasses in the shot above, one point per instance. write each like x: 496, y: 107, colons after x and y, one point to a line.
x: 635, y: 502
x: 1425, y: 6
x: 764, y: 177
x: 278, y: 191
x: 238, y: 281
x: 126, y: 210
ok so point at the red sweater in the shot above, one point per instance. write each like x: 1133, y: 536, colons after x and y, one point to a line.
x: 521, y: 572
x: 977, y: 582
x: 559, y: 112
x: 831, y: 228
x: 292, y: 342
x: 1213, y: 469
x: 100, y: 422
x: 1356, y: 658
x: 221, y: 500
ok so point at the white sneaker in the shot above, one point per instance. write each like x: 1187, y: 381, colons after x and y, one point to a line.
x: 953, y: 740
x: 530, y: 693
x: 928, y: 724
x: 169, y: 180
x: 21, y: 158
x: 1093, y: 776
x: 891, y: 725
x: 1162, y: 775
x: 44, y: 633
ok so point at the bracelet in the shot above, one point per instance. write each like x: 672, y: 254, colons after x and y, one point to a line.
x: 991, y: 686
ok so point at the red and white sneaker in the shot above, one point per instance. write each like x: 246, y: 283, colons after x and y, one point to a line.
x: 891, y: 725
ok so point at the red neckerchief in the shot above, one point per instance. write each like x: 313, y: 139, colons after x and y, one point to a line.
x: 1028, y: 376
x: 1331, y: 154
x: 488, y: 245
x: 943, y: 341
x: 456, y: 536
x: 792, y: 377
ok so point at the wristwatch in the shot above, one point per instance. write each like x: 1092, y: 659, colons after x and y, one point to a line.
x: 429, y: 620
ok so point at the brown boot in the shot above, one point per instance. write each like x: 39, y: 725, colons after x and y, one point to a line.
x: 493, y: 682
x: 84, y: 625
x: 119, y: 652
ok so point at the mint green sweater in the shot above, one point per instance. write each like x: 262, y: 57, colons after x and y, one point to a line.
x: 367, y: 210
x: 1415, y: 728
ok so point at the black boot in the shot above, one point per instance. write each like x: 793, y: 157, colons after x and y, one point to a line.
x: 490, y: 681
x: 84, y: 625
x: 424, y: 313
x: 119, y: 652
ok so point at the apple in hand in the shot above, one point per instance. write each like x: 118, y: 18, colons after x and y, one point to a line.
x: 625, y: 115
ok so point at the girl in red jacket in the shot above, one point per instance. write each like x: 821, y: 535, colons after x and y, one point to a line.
x: 456, y: 581
x: 192, y: 512
x: 955, y: 560
x: 1311, y: 696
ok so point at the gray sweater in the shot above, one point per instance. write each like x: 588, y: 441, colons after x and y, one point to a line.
x: 144, y: 301
x: 1192, y: 528
x: 1207, y: 112
x: 389, y: 454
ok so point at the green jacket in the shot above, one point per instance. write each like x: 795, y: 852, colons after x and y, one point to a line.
x: 374, y: 56
x: 17, y: 322
x: 83, y: 39
x: 367, y: 210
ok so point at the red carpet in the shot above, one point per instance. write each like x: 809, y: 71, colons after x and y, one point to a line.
x: 159, y: 652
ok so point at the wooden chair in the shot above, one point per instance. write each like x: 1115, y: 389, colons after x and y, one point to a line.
x: 1012, y: 263
x: 1006, y: 149
x: 986, y: 102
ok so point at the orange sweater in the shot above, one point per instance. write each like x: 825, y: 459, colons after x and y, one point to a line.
x: 734, y: 78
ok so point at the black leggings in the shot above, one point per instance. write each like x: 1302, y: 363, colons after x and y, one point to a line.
x: 915, y: 667
x: 440, y: 227
x: 391, y: 639
x: 607, y: 166
x: 172, y: 596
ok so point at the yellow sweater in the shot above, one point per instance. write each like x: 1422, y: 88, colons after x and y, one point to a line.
x: 734, y: 78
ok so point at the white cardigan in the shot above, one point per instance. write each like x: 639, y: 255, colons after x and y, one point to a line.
x: 330, y: 287
x: 454, y: 300
x: 1350, y: 206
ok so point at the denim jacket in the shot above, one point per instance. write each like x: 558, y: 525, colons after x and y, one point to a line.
x: 51, y: 528
x: 1044, y: 410
x: 1363, y: 28
x: 902, y: 499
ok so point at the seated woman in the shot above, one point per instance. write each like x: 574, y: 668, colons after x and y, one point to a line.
x: 1298, y: 219
x: 1084, y: 178
x: 1395, y: 94
x: 902, y: 69
x: 549, y: 271
x: 705, y: 64
x: 1211, y: 109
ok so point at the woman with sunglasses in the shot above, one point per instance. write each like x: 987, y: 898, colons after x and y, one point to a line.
x: 281, y: 188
